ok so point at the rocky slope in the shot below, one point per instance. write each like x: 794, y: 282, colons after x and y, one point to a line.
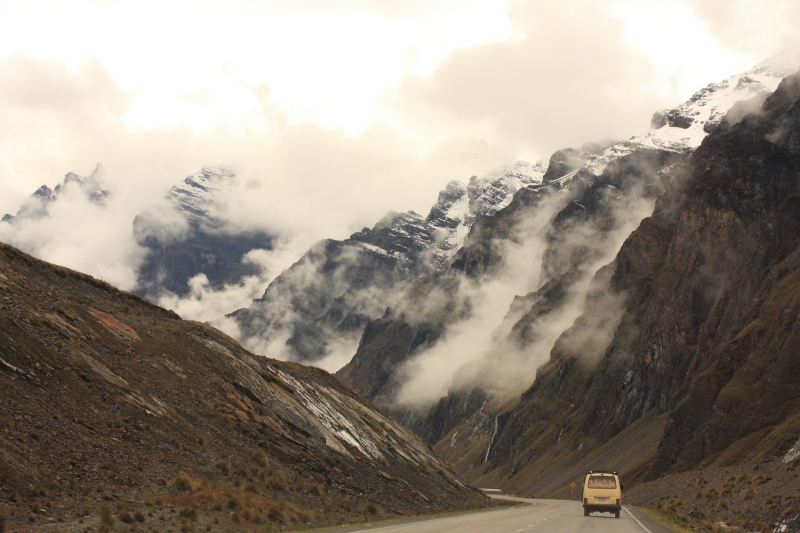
x: 316, y: 310
x: 666, y: 361
x: 115, y: 410
x: 701, y: 371
x: 603, y: 193
x: 571, y: 224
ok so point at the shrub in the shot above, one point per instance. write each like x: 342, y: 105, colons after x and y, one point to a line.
x: 276, y: 483
x: 233, y: 503
x: 106, y: 519
x: 788, y: 512
x: 275, y: 515
x: 126, y: 517
x: 260, y: 458
x: 371, y: 508
x: 138, y: 516
x: 222, y: 466
x: 181, y: 483
x: 346, y: 504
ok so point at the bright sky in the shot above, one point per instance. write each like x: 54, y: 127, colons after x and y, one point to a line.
x: 347, y: 108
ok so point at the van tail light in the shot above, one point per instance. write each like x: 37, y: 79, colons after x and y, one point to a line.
x: 617, y: 501
x: 586, y: 500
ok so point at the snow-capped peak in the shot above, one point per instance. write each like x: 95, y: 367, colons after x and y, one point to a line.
x: 683, y: 128
x: 201, y: 191
x: 91, y: 186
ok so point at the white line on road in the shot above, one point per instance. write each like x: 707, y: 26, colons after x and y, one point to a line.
x: 637, y: 520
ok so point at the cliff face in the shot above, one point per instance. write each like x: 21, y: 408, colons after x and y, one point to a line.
x: 569, y: 225
x: 683, y: 354
x: 107, y: 400
x: 703, y: 367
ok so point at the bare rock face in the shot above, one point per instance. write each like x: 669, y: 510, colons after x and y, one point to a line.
x: 108, y: 400
x: 581, y: 220
x: 684, y: 356
x: 705, y: 353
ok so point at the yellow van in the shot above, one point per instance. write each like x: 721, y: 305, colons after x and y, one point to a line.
x: 602, y: 493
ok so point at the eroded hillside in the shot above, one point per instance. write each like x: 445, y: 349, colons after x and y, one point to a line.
x: 112, y: 409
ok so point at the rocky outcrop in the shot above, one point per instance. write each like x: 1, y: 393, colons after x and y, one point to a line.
x: 565, y: 161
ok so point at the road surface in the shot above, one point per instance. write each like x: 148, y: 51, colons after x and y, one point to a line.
x: 551, y: 516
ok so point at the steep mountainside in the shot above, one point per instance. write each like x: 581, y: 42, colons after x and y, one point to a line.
x: 603, y: 193
x: 666, y: 360
x: 701, y: 370
x: 574, y: 221
x: 112, y: 409
x: 316, y: 310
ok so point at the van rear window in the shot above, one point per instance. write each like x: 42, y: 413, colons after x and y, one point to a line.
x: 602, y: 482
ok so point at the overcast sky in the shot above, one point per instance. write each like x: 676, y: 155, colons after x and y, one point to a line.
x: 345, y: 107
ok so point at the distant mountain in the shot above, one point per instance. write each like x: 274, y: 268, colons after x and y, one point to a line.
x: 115, y: 410
x: 38, y: 205
x: 317, y: 308
x: 195, y: 237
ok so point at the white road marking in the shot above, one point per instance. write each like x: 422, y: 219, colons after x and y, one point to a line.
x: 637, y: 520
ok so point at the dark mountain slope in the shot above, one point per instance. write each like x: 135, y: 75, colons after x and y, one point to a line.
x: 570, y: 225
x: 704, y: 367
x: 107, y: 400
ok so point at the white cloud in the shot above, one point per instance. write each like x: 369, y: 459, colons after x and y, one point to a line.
x: 331, y: 113
x: 207, y: 304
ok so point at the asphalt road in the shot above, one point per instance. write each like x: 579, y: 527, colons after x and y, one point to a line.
x: 551, y: 516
